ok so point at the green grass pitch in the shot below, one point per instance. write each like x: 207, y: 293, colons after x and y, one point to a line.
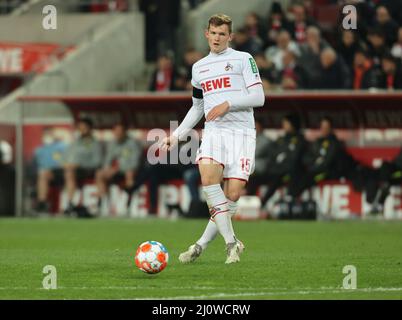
x: 283, y: 260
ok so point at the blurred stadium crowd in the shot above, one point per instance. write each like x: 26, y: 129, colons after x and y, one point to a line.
x: 293, y: 50
x: 290, y: 161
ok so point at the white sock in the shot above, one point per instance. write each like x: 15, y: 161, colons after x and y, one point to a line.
x: 232, y: 205
x: 209, y: 234
x: 211, y: 229
x: 219, y: 211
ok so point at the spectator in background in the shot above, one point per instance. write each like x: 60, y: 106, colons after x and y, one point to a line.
x: 7, y: 178
x: 384, y: 22
x: 292, y: 76
x: 83, y: 158
x: 255, y: 28
x: 159, y: 173
x: 348, y: 44
x: 287, y: 154
x: 376, y: 46
x: 6, y: 153
x: 394, y: 8
x: 283, y: 43
x: 391, y: 77
x: 309, y: 59
x: 276, y: 21
x: 122, y: 161
x: 298, y: 26
x: 192, y: 179
x: 365, y: 75
x: 397, y: 47
x: 48, y: 160
x: 162, y: 19
x: 323, y: 161
x: 389, y: 174
x: 334, y: 72
x: 262, y: 160
x: 269, y: 75
x: 191, y: 56
x: 243, y: 42
x: 165, y: 76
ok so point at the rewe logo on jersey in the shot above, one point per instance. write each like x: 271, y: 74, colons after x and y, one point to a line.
x: 215, y: 84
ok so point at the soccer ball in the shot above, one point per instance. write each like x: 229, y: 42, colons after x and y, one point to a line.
x: 151, y: 257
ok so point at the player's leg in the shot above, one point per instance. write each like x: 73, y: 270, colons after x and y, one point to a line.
x: 211, y: 171
x: 70, y: 184
x: 101, y: 182
x: 240, y: 149
x: 211, y: 229
x: 43, y: 182
x: 211, y: 175
x: 233, y: 190
x: 103, y: 178
x: 129, y: 179
x: 232, y: 193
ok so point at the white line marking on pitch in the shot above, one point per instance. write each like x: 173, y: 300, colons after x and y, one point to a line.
x: 272, y: 292
x: 256, y: 294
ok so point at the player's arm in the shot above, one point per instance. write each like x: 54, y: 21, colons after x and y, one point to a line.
x: 254, y: 97
x: 190, y: 120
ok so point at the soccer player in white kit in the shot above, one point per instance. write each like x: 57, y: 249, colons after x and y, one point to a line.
x: 226, y: 88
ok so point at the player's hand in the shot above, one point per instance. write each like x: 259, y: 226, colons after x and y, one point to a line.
x: 218, y: 111
x: 168, y: 143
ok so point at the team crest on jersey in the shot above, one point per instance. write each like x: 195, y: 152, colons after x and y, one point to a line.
x: 228, y: 67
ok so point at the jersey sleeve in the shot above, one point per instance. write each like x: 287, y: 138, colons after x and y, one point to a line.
x: 250, y: 71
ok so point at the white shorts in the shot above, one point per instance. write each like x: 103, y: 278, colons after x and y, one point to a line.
x: 233, y: 149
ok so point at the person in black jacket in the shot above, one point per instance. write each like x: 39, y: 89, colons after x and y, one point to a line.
x: 365, y: 74
x: 391, y: 77
x: 262, y: 159
x: 376, y: 45
x: 323, y: 161
x: 378, y: 188
x: 286, y: 156
x: 7, y: 185
x: 334, y: 72
x: 384, y: 21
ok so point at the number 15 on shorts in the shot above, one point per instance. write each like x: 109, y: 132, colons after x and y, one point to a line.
x: 245, y: 165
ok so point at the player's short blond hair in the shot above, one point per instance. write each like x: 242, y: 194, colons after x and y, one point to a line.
x: 219, y: 20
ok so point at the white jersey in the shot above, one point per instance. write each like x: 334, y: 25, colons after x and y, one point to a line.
x: 225, y: 76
